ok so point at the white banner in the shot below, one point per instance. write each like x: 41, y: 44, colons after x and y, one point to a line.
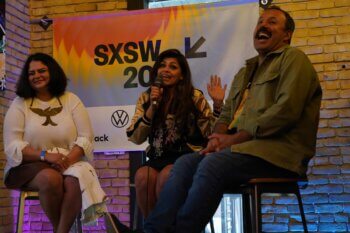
x: 109, y: 62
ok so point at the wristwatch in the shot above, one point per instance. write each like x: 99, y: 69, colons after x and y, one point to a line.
x: 42, y: 155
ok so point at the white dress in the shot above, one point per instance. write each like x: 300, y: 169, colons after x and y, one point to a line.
x: 22, y: 127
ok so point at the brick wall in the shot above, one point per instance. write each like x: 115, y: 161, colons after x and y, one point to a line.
x: 24, y: 38
x: 17, y: 48
x: 323, y: 32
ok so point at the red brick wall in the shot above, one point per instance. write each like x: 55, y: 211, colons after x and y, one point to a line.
x: 24, y: 38
x: 322, y: 31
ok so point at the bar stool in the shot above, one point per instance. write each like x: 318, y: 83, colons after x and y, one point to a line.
x: 251, y: 196
x: 33, y: 195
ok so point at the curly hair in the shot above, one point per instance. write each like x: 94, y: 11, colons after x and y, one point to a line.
x: 58, y: 79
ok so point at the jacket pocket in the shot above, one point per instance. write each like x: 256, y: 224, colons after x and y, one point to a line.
x: 269, y: 77
x: 263, y: 92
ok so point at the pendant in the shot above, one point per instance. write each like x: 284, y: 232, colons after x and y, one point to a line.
x: 47, y: 113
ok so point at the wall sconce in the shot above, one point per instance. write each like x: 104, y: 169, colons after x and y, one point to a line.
x: 44, y: 22
x: 265, y: 3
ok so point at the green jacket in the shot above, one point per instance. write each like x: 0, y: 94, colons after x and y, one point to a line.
x: 281, y: 111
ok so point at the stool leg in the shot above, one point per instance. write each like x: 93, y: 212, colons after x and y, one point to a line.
x: 135, y: 217
x: 79, y: 227
x: 252, y: 212
x: 20, y: 212
x: 256, y: 209
x: 212, y: 230
x: 211, y: 223
x: 301, y: 209
x: 247, y: 223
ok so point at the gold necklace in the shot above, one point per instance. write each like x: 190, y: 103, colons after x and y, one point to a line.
x: 48, y: 112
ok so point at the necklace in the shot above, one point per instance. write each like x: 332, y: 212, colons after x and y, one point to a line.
x: 47, y: 112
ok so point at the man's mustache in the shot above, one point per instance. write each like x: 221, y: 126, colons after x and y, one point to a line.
x: 263, y: 30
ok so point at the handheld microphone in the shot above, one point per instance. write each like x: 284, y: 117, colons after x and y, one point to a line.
x: 158, y: 82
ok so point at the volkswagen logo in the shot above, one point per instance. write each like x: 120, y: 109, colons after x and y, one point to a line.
x: 120, y: 118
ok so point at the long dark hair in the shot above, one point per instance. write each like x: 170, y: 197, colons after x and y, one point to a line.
x: 182, y: 105
x: 58, y: 79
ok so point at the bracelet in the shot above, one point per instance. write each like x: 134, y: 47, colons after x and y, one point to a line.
x: 218, y: 105
x: 217, y: 108
x: 146, y: 120
x: 42, y: 155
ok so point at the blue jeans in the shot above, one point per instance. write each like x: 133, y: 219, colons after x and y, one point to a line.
x: 196, y: 185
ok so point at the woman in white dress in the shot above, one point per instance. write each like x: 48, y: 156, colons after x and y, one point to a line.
x: 48, y: 139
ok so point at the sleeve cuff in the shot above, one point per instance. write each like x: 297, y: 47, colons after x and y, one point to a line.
x: 217, y: 108
x: 14, y: 153
x: 87, y: 146
x: 252, y: 129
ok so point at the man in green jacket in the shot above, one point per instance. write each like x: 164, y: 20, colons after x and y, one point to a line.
x: 267, y: 128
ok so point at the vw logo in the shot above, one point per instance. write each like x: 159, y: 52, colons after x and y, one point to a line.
x: 120, y: 118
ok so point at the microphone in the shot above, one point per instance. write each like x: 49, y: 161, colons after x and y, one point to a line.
x: 158, y: 82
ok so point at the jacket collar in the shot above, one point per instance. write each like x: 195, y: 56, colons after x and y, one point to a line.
x: 255, y: 59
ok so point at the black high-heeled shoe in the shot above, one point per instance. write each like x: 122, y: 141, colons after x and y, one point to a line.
x: 113, y: 225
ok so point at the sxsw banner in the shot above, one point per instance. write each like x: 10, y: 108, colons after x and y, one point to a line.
x: 108, y: 57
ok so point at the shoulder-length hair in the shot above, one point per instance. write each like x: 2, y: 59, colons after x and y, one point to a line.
x: 58, y: 79
x: 182, y: 106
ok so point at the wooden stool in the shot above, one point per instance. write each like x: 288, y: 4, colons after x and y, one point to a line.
x: 33, y: 195
x: 251, y: 195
